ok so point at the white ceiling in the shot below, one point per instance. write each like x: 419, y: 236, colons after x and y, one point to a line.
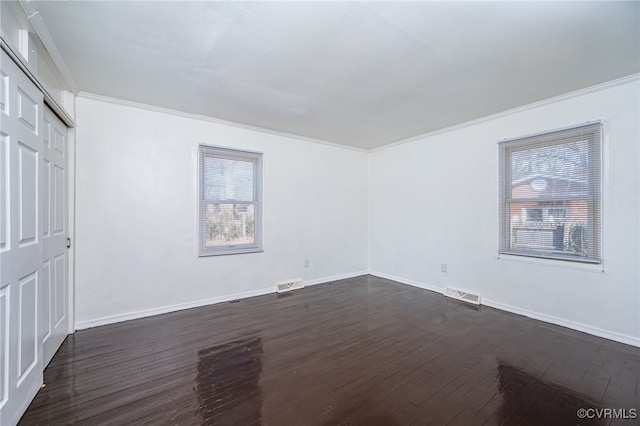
x: 358, y: 73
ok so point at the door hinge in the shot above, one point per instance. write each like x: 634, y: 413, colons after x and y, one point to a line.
x: 68, y: 242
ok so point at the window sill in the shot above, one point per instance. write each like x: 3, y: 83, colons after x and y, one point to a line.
x: 230, y: 251
x: 554, y: 263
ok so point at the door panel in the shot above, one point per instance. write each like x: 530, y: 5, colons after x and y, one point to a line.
x: 59, y: 193
x: 45, y: 318
x: 28, y: 200
x: 55, y: 241
x: 46, y: 203
x: 59, y: 138
x: 46, y: 131
x: 4, y: 192
x: 28, y: 109
x: 27, y: 327
x: 4, y: 92
x: 4, y: 343
x: 59, y: 286
x: 21, y: 256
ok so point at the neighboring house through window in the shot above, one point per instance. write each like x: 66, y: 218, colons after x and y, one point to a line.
x: 551, y: 196
x: 230, y: 201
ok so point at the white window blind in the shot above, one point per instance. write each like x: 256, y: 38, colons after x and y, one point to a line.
x: 230, y: 193
x: 551, y: 194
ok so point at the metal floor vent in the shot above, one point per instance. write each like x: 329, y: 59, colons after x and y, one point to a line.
x: 289, y: 285
x: 454, y: 293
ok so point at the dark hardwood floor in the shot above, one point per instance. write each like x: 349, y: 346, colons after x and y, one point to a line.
x: 362, y: 351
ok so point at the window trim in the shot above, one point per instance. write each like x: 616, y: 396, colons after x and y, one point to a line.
x: 205, y: 150
x: 562, y: 257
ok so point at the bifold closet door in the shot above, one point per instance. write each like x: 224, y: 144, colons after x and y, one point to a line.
x: 21, y: 240
x: 54, y: 319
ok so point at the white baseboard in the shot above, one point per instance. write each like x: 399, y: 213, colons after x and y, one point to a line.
x: 611, y: 335
x: 202, y: 302
x: 334, y: 278
x: 618, y: 337
x: 171, y: 308
x: 407, y: 281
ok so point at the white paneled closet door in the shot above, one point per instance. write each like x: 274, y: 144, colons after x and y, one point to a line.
x: 21, y: 242
x: 54, y: 318
x: 33, y: 239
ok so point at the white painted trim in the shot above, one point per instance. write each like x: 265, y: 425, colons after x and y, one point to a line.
x: 408, y: 282
x: 369, y: 210
x: 153, y: 108
x: 611, y: 335
x: 33, y: 15
x: 580, y: 92
x: 597, y: 268
x: 48, y: 98
x: 543, y: 133
x: 171, y: 308
x: 334, y: 278
x: 71, y: 224
x: 198, y: 303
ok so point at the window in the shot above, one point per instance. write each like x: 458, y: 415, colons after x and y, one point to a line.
x: 550, y: 194
x: 230, y: 201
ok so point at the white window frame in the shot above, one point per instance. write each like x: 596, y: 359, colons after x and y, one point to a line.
x: 596, y: 220
x: 230, y: 154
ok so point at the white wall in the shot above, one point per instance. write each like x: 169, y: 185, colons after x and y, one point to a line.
x: 427, y: 202
x: 136, y: 213
x: 434, y: 200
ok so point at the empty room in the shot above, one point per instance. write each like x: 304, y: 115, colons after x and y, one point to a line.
x: 319, y: 213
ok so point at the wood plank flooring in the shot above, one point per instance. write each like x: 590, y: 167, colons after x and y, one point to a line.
x: 362, y: 351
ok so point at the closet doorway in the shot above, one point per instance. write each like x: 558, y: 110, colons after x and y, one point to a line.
x: 34, y: 265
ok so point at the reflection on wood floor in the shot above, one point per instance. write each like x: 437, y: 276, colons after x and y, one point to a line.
x: 362, y: 351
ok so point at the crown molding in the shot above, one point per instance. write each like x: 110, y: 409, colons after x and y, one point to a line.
x: 565, y: 96
x: 153, y: 108
x: 581, y: 92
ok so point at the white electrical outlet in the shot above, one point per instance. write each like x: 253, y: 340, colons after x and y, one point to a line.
x: 306, y: 263
x: 443, y: 267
